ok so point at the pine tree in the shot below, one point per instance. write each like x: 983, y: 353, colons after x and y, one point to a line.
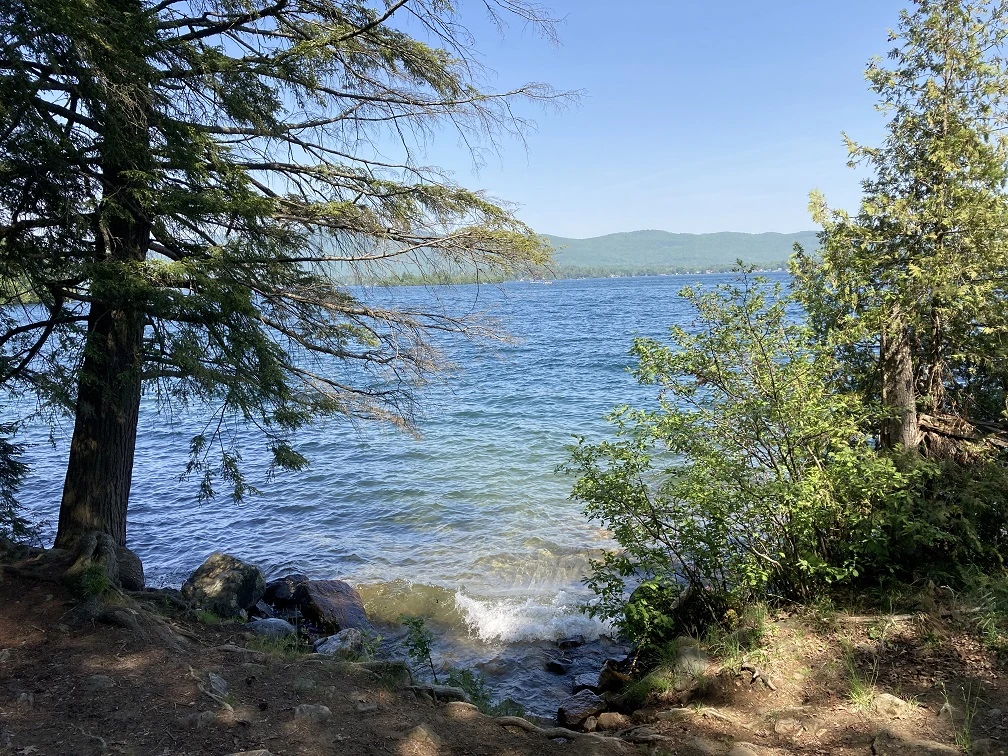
x: 183, y: 186
x: 912, y: 289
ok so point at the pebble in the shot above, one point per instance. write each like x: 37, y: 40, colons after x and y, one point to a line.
x: 303, y: 684
x: 217, y: 684
x: 312, y: 712
x: 888, y: 705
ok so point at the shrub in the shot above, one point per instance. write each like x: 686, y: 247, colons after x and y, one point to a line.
x: 751, y: 478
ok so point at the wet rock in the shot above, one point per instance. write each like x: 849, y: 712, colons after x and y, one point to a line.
x: 558, y: 665
x: 587, y: 681
x: 349, y: 644
x: 225, y: 586
x: 888, y: 705
x: 131, y: 572
x: 611, y: 720
x: 280, y: 593
x: 611, y: 678
x: 333, y: 605
x: 577, y: 708
x: 889, y: 743
x: 572, y: 642
x: 313, y: 712
x: 272, y: 627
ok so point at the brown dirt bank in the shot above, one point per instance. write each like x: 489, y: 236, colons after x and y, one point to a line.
x: 99, y: 689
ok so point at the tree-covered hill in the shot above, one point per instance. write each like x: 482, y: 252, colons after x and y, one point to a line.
x: 662, y: 251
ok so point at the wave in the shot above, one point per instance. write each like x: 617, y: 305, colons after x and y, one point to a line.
x: 513, y: 621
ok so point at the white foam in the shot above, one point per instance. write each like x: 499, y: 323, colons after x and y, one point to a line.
x: 513, y: 621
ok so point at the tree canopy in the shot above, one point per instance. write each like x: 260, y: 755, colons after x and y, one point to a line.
x: 184, y: 182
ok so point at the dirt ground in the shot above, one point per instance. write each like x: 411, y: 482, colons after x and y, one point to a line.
x: 99, y: 689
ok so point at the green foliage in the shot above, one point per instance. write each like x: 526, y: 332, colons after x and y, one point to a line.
x: 287, y: 647
x: 205, y: 617
x: 923, y: 262
x: 13, y: 524
x: 418, y: 641
x: 475, y: 686
x: 205, y: 203
x: 752, y: 475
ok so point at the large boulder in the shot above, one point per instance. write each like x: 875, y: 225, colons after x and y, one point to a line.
x: 332, y: 605
x: 225, y: 585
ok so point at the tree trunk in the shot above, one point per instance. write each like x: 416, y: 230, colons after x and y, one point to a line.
x: 899, y: 397
x: 100, y: 470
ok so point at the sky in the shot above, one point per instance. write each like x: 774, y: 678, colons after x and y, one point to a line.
x: 693, y: 116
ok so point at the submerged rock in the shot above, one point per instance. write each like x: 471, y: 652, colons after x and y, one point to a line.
x: 586, y: 681
x: 225, y: 586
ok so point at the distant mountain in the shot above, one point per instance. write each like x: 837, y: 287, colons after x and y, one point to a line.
x: 637, y: 252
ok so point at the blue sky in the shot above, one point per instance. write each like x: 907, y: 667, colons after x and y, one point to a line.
x: 695, y: 117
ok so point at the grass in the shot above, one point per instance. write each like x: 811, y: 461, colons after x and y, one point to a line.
x: 860, y: 684
x: 962, y: 732
x: 287, y: 647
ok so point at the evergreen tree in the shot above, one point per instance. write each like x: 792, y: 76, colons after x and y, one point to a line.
x: 912, y: 289
x: 184, y: 182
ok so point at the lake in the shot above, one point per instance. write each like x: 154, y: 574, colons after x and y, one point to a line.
x: 469, y: 525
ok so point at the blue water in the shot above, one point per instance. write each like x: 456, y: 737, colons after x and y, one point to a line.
x: 468, y: 524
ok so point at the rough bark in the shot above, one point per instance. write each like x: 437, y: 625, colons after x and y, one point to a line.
x: 100, y: 469
x: 899, y: 396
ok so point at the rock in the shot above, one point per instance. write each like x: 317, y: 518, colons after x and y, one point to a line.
x: 742, y: 749
x: 705, y: 746
x: 610, y: 678
x: 572, y: 642
x: 590, y: 724
x: 313, y: 712
x: 4, y: 654
x: 558, y: 665
x: 279, y: 593
x: 691, y: 661
x: 423, y: 739
x: 200, y: 719
x: 302, y: 684
x: 888, y: 705
x: 461, y: 710
x: 262, y: 609
x: 224, y: 585
x: 216, y: 685
x: 587, y: 681
x: 577, y: 708
x: 272, y: 627
x: 131, y: 572
x: 332, y: 605
x: 787, y: 726
x: 611, y: 720
x: 889, y: 743
x: 349, y: 644
x: 98, y: 682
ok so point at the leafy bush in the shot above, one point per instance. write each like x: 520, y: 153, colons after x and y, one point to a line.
x: 752, y: 477
x: 13, y: 524
x: 419, y: 641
